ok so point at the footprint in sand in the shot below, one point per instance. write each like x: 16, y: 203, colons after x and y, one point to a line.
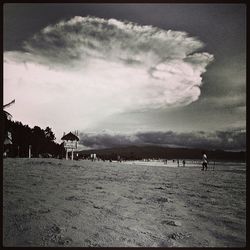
x: 171, y: 222
x: 65, y: 241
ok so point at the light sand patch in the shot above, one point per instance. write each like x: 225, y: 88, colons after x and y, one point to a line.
x: 50, y: 202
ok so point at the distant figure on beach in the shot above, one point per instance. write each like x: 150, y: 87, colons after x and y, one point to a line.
x: 93, y: 157
x: 214, y: 165
x: 178, y: 163
x: 119, y: 158
x: 204, y: 161
x: 183, y: 162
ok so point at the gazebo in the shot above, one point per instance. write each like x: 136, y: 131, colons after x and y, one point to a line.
x: 70, y: 142
x: 70, y: 137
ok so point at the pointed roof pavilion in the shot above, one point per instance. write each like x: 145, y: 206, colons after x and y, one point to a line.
x: 70, y: 137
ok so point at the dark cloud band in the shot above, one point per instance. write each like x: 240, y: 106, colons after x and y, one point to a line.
x: 226, y: 140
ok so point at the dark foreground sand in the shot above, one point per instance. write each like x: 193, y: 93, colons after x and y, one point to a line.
x: 49, y: 202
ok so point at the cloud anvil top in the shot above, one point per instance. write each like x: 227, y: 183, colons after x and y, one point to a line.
x: 88, y: 53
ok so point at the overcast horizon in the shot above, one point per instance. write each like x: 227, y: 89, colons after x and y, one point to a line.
x: 129, y: 74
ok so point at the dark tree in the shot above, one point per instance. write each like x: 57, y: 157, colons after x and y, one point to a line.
x: 41, y: 141
x: 49, y: 134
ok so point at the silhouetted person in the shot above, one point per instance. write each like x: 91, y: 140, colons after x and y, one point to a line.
x: 178, y: 163
x: 204, y: 161
x: 119, y: 158
x: 183, y: 162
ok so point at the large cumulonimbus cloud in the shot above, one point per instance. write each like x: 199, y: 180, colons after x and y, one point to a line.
x: 97, y: 67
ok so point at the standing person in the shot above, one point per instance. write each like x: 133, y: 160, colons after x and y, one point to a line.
x: 178, y: 162
x: 204, y: 161
x: 183, y: 162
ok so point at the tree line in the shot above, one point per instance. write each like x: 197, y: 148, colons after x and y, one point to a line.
x: 42, y: 141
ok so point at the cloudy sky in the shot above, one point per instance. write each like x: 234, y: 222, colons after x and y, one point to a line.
x: 123, y: 74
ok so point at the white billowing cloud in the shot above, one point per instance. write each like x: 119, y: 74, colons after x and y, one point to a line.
x: 84, y: 69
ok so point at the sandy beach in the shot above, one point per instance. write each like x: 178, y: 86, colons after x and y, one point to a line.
x: 52, y: 202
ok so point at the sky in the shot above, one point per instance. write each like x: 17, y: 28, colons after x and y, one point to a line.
x: 129, y: 74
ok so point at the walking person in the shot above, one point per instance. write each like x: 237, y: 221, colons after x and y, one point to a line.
x: 183, y: 162
x: 204, y: 161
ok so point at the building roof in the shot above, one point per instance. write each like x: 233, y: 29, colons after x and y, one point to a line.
x: 70, y: 137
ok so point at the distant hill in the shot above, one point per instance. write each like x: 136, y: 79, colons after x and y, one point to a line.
x: 157, y: 152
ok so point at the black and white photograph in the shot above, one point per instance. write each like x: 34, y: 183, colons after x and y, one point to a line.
x: 124, y: 125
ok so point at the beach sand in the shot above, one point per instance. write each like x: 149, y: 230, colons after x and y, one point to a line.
x: 52, y: 202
